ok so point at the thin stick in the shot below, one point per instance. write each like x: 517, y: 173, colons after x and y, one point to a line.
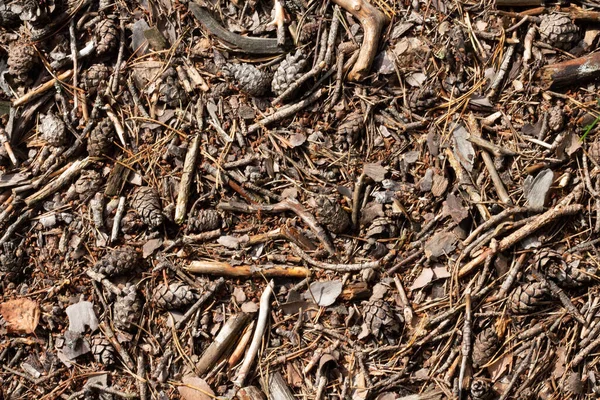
x: 110, y: 335
x: 493, y: 221
x: 117, y: 124
x: 74, y: 58
x: 117, y: 220
x: 56, y: 184
x: 340, y: 267
x: 226, y: 269
x: 43, y: 88
x: 261, y: 324
x: 187, y: 175
x: 285, y: 112
x: 466, y: 343
x: 117, y: 73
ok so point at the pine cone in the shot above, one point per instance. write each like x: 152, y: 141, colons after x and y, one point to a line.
x: 95, y: 78
x: 293, y: 6
x: 88, y: 183
x: 146, y: 201
x: 12, y: 261
x: 8, y: 19
x: 118, y: 261
x: 21, y: 59
x: 351, y: 127
x: 127, y: 309
x: 481, y: 390
x: 308, y: 32
x: 174, y: 296
x: 594, y: 151
x: 423, y: 99
x: 101, y: 139
x: 107, y: 35
x: 171, y: 92
x: 52, y: 129
x: 379, y: 318
x: 527, y: 297
x: 331, y: 214
x: 288, y: 72
x: 486, y: 345
x: 30, y: 11
x: 102, y: 350
x: 558, y: 30
x: 556, y: 119
x: 381, y: 227
x: 206, y: 220
x: 249, y: 78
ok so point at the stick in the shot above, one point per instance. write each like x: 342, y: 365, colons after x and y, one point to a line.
x: 226, y: 269
x: 466, y: 343
x: 110, y: 335
x: 372, y: 21
x: 117, y: 220
x: 117, y: 124
x: 117, y: 73
x: 74, y: 58
x: 44, y: 87
x: 56, y: 184
x: 261, y: 324
x: 571, y: 71
x: 340, y: 267
x: 186, y: 180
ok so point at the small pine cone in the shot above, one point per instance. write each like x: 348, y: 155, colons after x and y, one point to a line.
x: 558, y: 30
x: 170, y: 92
x: 118, y: 261
x: 556, y: 119
x: 486, y: 345
x: 331, y: 214
x: 594, y: 151
x: 288, y: 72
x: 351, y: 127
x: 379, y: 318
x: 53, y: 130
x: 95, y: 78
x: 423, y: 99
x: 249, y: 78
x: 21, y: 59
x: 146, y: 201
x: 481, y: 390
x: 308, y: 32
x: 107, y: 35
x: 101, y: 139
x: 293, y: 6
x: 8, y: 19
x: 571, y: 275
x: 206, y: 220
x: 174, y: 296
x: 381, y: 227
x: 88, y: 183
x: 527, y: 297
x: 12, y: 261
x: 102, y: 350
x: 127, y: 309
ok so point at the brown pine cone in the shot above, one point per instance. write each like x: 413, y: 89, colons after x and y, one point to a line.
x: 95, y: 78
x: 556, y: 119
x: 12, y: 262
x: 594, y: 151
x: 558, y: 30
x: 308, y: 32
x: 249, y: 78
x: 88, y: 183
x: 288, y: 72
x: 174, y: 296
x: 146, y: 201
x: 486, y: 345
x: 53, y: 130
x: 107, y: 35
x: 331, y: 214
x: 101, y: 139
x: 127, y: 309
x: 21, y: 59
x: 118, y: 261
x: 379, y: 318
x: 527, y: 297
x: 206, y: 220
x: 352, y: 127
x: 170, y: 91
x: 481, y: 390
x: 102, y: 350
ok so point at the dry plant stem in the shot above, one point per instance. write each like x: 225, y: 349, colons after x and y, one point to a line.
x: 564, y: 299
x: 226, y: 269
x: 117, y: 220
x: 287, y: 111
x: 136, y: 98
x: 285, y: 205
x: 491, y: 147
x: 239, y: 350
x: 493, y: 221
x: 114, y: 87
x: 571, y: 71
x: 117, y: 124
x: 408, y: 312
x: 43, y: 88
x: 501, y: 72
x: 186, y: 180
x: 192, y: 310
x: 510, y: 278
x: 463, y: 380
x: 333, y: 32
x: 510, y: 240
x: 372, y: 21
x: 100, y: 278
x: 405, y: 261
x: 522, y: 367
x: 261, y: 324
x: 338, y: 267
x: 226, y: 336
x: 59, y: 182
x: 74, y: 58
x: 141, y: 373
x: 13, y: 227
x: 110, y: 335
x: 356, y: 199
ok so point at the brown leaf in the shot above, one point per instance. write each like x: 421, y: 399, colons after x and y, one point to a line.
x: 375, y: 171
x: 440, y: 244
x: 21, y: 315
x: 440, y: 184
x: 453, y: 207
x: 195, y: 388
x: 423, y: 280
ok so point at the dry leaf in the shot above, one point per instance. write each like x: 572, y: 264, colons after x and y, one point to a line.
x: 81, y: 315
x: 536, y: 189
x: 440, y: 244
x: 453, y: 207
x: 324, y: 293
x: 195, y: 388
x: 463, y: 149
x: 423, y: 279
x: 375, y: 171
x: 21, y: 315
x: 440, y: 184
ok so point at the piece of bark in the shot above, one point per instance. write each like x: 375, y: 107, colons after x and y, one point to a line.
x: 186, y: 180
x: 250, y: 393
x: 116, y: 179
x: 226, y: 336
x: 226, y: 269
x: 571, y: 71
x: 275, y: 387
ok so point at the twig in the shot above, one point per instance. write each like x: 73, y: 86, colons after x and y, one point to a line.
x: 466, y: 344
x: 564, y: 299
x: 261, y: 324
x: 117, y: 124
x: 43, y: 88
x: 186, y: 179
x: 114, y: 87
x: 60, y: 181
x: 110, y: 335
x: 501, y: 72
x: 136, y: 98
x: 141, y: 373
x: 333, y: 32
x: 117, y: 220
x: 226, y: 269
x: 340, y: 267
x: 356, y: 199
x: 13, y: 227
x: 493, y: 221
x: 522, y: 367
x: 74, y: 58
x: 285, y: 112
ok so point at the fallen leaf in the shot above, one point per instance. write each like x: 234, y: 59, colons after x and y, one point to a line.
x: 496, y: 369
x: 440, y: 244
x: 230, y: 242
x: 151, y: 246
x: 249, y: 307
x: 375, y: 171
x: 536, y: 189
x: 81, y: 315
x: 297, y: 139
x: 440, y: 184
x: 423, y: 279
x: 239, y: 294
x: 324, y: 293
x: 441, y: 272
x: 21, y: 315
x: 416, y: 79
x: 195, y: 388
x: 463, y: 149
x: 453, y: 207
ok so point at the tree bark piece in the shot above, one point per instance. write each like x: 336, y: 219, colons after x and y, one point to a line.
x: 275, y: 387
x: 372, y: 21
x: 571, y: 71
x: 226, y: 269
x: 186, y: 180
